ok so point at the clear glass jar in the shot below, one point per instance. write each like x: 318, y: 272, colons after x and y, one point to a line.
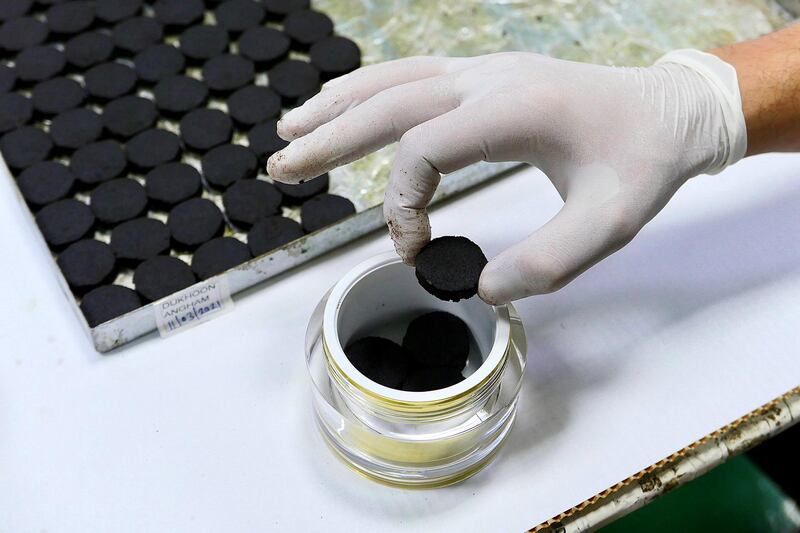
x: 417, y: 439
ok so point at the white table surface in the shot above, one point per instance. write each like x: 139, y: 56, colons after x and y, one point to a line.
x: 694, y: 324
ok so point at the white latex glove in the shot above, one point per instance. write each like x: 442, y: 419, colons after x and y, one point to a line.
x: 615, y: 142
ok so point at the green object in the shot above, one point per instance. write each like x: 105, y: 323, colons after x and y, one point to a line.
x: 736, y: 497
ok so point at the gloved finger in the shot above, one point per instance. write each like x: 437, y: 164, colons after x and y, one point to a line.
x: 579, y: 236
x: 441, y: 145
x: 348, y: 91
x: 379, y: 121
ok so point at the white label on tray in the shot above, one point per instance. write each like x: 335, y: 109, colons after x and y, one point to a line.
x: 195, y: 305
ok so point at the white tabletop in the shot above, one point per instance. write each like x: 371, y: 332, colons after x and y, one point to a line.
x: 694, y: 324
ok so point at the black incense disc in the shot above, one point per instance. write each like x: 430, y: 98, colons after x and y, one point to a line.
x: 87, y: 264
x: 264, y: 141
x: 152, y: 148
x: 55, y: 96
x: 248, y: 201
x: 65, y: 222
x: 432, y: 378
x: 450, y: 268
x: 110, y: 80
x: 135, y: 34
x: 45, y: 183
x: 324, y: 210
x: 11, y: 9
x: 108, y: 302
x: 161, y: 276
x: 75, y: 128
x: 25, y: 146
x: 297, y: 194
x: 158, y: 62
x: 87, y: 49
x: 278, y: 9
x: 113, y: 11
x: 293, y: 78
x: 140, y: 239
x: 227, y: 164
x: 170, y: 184
x: 253, y: 104
x: 129, y: 115
x: 218, y: 255
x: 179, y: 94
x: 8, y: 78
x: 379, y: 359
x: 16, y: 110
x: 307, y: 27
x: 40, y: 63
x: 438, y: 339
x: 98, y: 162
x: 335, y: 56
x: 228, y: 72
x: 239, y: 15
x: 118, y: 200
x: 24, y: 32
x: 194, y: 222
x: 264, y: 46
x: 202, y: 42
x: 203, y: 129
x: 270, y: 233
x: 179, y: 13
x: 70, y: 18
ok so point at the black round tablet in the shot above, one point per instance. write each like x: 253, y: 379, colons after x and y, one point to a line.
x: 11, y: 9
x: 248, y: 201
x: 293, y: 78
x: 227, y: 164
x: 108, y: 302
x: 129, y: 115
x: 55, y: 96
x: 203, y: 42
x: 438, y: 339
x: 296, y: 194
x: 432, y: 378
x: 172, y: 183
x: 179, y: 94
x: 264, y: 46
x: 450, y: 268
x: 152, y: 148
x: 203, y: 129
x: 139, y: 239
x: 179, y: 13
x: 324, y: 210
x: 64, y: 222
x: 380, y: 360
x: 135, y: 34
x: 110, y: 80
x: 25, y: 146
x: 228, y: 72
x: 264, y: 141
x: 158, y: 62
x: 218, y: 255
x: 15, y: 110
x: 70, y: 17
x: 161, y: 276
x: 307, y: 27
x: 98, y: 162
x: 39, y: 63
x: 253, y: 104
x: 86, y: 264
x: 87, y: 49
x: 278, y: 9
x: 194, y: 222
x: 270, y: 233
x: 74, y: 128
x: 21, y: 33
x: 45, y: 183
x: 239, y: 15
x: 335, y: 56
x: 118, y: 200
x: 113, y: 11
x: 8, y: 79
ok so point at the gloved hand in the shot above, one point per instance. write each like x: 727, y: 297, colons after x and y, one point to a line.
x: 615, y: 142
